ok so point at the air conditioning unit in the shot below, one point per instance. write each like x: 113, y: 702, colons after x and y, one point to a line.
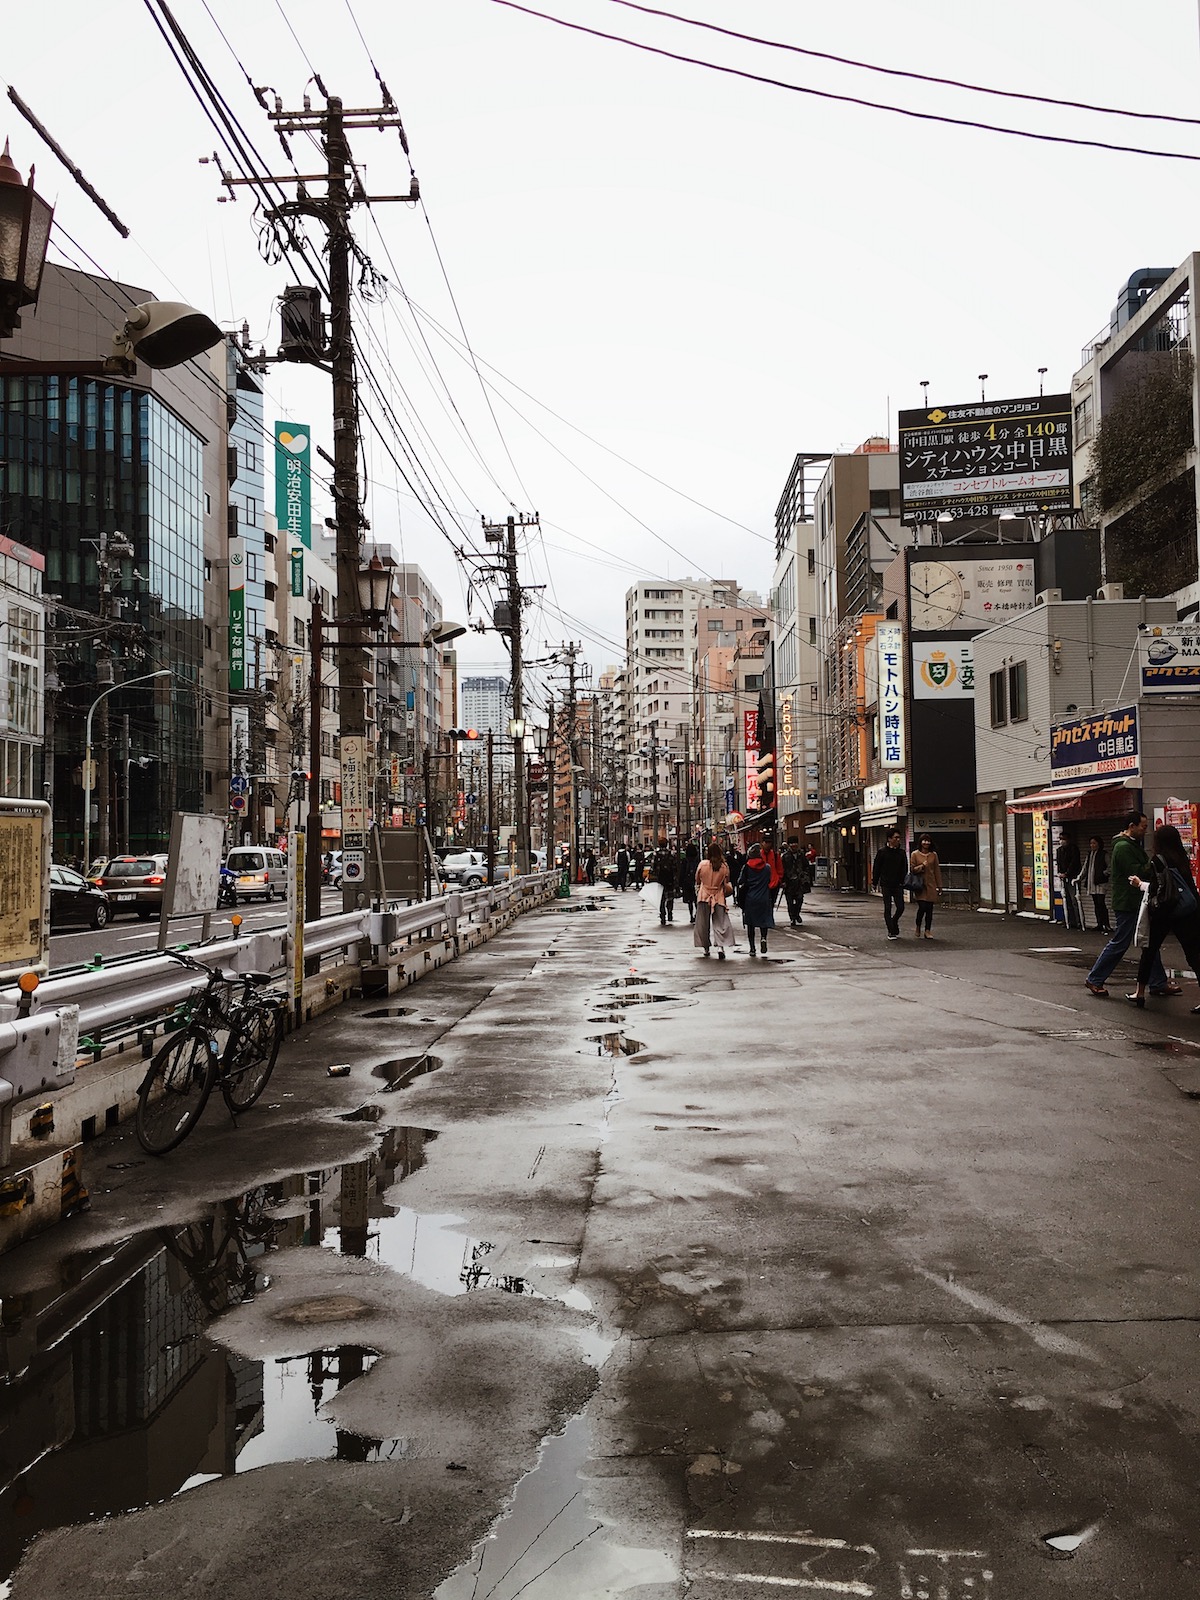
x: 1047, y: 597
x: 1111, y: 591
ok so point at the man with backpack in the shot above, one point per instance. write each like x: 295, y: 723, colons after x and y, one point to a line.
x: 797, y: 879
x: 1128, y: 860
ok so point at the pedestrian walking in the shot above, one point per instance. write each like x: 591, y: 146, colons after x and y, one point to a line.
x: 664, y: 869
x: 639, y: 867
x: 797, y: 879
x: 1092, y: 878
x: 688, y: 867
x: 887, y: 875
x: 712, y: 918
x: 755, y: 894
x: 924, y: 882
x: 1174, y: 907
x: 1128, y: 860
x: 589, y: 867
x: 622, y: 868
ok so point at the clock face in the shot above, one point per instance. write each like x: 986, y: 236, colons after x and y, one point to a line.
x: 936, y: 596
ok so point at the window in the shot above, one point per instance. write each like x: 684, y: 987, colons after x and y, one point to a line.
x: 754, y: 680
x: 812, y: 561
x: 999, y: 698
x: 881, y: 502
x: 1083, y: 419
x: 714, y: 624
x: 1018, y: 691
x: 812, y: 630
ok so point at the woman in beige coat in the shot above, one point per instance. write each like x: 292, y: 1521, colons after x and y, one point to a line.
x: 924, y: 864
x: 712, y: 919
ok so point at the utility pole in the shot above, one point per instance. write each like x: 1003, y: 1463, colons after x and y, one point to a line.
x: 332, y: 213
x: 654, y: 770
x: 312, y: 843
x: 491, y: 813
x: 551, y: 736
x: 505, y: 534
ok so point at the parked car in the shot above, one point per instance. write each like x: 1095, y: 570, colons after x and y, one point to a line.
x: 331, y: 868
x: 466, y: 869
x: 135, y: 883
x: 74, y: 899
x: 261, y: 872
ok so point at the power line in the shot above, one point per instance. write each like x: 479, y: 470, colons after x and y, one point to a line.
x: 915, y: 77
x: 850, y: 99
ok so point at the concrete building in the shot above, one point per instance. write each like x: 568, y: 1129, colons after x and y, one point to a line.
x: 89, y: 457
x: 797, y: 658
x: 1061, y: 662
x: 1137, y: 378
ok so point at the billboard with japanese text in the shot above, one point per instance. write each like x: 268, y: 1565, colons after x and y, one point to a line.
x: 1104, y: 745
x: 1169, y: 657
x: 985, y: 457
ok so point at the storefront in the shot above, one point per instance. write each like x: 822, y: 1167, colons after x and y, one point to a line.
x: 842, y: 846
x: 1053, y: 829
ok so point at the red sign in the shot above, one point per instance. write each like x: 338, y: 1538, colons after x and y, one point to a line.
x: 750, y: 726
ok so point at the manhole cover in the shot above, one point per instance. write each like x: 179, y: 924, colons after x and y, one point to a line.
x: 329, y: 1308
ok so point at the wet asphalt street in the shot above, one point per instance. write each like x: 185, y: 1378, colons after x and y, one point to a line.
x: 870, y: 1269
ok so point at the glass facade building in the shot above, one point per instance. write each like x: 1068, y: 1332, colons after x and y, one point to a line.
x: 84, y: 457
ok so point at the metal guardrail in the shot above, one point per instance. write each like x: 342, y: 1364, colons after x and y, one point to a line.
x: 151, y: 987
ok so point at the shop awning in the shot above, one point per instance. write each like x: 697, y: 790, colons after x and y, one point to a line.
x: 1065, y: 798
x: 833, y: 818
x: 880, y: 817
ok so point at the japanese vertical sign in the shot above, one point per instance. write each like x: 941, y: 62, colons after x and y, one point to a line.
x: 354, y: 792
x: 296, y: 571
x: 889, y: 641
x: 1041, y: 862
x: 750, y: 742
x: 981, y: 459
x: 1090, y: 748
x: 293, y: 493
x: 237, y: 612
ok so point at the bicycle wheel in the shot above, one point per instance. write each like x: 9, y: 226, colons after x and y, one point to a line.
x: 250, y: 1056
x: 174, y: 1092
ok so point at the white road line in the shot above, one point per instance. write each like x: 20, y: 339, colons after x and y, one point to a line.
x: 951, y: 1555
x: 757, y: 1537
x: 1058, y: 1343
x: 824, y: 1585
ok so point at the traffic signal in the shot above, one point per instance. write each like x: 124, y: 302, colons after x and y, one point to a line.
x: 766, y: 778
x: 462, y: 733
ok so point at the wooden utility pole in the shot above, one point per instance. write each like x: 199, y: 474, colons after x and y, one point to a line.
x: 551, y: 737
x: 312, y: 851
x: 491, y: 812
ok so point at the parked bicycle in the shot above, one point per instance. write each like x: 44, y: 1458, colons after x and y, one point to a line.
x: 173, y: 1094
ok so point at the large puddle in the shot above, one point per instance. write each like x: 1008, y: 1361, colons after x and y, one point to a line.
x: 113, y: 1395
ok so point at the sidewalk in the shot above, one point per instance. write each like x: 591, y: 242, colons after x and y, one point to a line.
x: 868, y: 1269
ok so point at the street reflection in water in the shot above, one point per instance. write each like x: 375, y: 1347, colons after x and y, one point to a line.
x: 112, y: 1394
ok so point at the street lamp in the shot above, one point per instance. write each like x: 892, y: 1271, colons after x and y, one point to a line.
x: 24, y: 237
x: 88, y: 785
x: 374, y: 590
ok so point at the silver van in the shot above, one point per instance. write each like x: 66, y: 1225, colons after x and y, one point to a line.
x: 260, y: 872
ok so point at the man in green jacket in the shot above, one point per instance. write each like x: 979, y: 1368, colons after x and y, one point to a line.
x: 1128, y: 859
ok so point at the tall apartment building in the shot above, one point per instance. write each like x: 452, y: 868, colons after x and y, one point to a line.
x: 660, y: 645
x: 730, y: 640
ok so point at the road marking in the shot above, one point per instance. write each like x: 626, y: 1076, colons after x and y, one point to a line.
x: 1058, y: 1343
x: 825, y: 1585
x: 781, y: 1538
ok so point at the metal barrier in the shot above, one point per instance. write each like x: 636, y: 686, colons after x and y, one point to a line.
x: 959, y: 883
x: 141, y: 990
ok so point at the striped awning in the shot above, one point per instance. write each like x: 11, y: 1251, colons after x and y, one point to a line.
x: 1064, y: 798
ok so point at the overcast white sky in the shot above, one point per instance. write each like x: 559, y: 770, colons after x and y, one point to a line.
x: 704, y: 274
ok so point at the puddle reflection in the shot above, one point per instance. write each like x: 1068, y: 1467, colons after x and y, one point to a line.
x: 112, y: 1395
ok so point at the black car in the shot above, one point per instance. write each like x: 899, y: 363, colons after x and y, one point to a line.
x: 74, y: 899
